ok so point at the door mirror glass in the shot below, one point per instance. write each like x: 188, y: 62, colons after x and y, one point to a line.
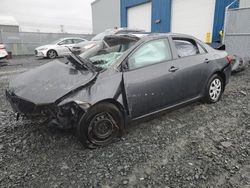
x: 125, y: 66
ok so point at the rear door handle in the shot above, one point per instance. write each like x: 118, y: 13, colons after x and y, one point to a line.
x: 206, y: 60
x: 173, y: 69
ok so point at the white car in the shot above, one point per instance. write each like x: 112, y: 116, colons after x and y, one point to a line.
x: 57, y: 48
x: 3, y: 52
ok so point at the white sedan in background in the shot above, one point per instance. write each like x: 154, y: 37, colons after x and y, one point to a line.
x: 57, y: 48
x: 3, y: 52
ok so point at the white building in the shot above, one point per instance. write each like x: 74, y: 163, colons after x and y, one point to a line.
x: 8, y: 24
x: 200, y: 18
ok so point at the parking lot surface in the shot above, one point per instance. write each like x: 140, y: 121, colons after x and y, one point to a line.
x: 199, y: 145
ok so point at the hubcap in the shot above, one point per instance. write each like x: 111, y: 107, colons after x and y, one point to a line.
x: 102, y: 129
x: 52, y: 54
x: 215, y: 89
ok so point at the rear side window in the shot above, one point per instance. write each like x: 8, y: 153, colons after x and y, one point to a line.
x: 152, y: 52
x: 76, y: 41
x: 186, y: 47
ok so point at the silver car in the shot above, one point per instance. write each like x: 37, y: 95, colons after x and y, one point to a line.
x: 57, y: 48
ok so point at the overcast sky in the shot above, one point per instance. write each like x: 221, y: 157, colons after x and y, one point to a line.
x: 48, y: 15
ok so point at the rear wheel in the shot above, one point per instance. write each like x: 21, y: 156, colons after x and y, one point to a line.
x: 51, y: 54
x: 100, y: 125
x: 214, y: 89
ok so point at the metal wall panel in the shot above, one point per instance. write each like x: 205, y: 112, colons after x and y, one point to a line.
x: 237, y: 32
x: 24, y: 43
x: 219, y: 15
x: 244, y: 3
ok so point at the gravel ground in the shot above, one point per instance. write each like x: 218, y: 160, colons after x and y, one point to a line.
x: 196, y: 146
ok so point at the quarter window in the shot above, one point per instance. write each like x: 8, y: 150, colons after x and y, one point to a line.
x: 186, y: 47
x: 150, y: 53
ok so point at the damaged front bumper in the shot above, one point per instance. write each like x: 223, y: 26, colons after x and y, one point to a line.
x: 23, y: 106
x: 64, y: 115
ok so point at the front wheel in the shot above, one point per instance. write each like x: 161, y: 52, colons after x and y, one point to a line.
x: 214, y: 89
x: 100, y: 125
x: 51, y: 54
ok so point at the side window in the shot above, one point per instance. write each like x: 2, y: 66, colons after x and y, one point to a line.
x: 67, y: 41
x: 186, y: 47
x: 76, y: 41
x: 150, y: 53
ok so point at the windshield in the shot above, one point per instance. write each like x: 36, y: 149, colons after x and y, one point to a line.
x: 100, y: 36
x: 104, y: 57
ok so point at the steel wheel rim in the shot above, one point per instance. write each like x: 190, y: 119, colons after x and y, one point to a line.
x: 102, y: 129
x: 52, y: 54
x: 215, y: 89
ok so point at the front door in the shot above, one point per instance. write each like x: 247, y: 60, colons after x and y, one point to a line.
x: 149, y: 84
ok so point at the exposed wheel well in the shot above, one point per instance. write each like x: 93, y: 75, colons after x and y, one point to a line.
x: 116, y: 103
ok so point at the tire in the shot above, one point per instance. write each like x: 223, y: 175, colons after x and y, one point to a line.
x: 214, y: 89
x: 51, y: 54
x: 100, y: 125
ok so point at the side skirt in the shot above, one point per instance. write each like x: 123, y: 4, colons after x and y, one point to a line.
x: 169, y: 107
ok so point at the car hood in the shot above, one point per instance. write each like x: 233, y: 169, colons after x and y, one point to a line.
x: 50, y: 82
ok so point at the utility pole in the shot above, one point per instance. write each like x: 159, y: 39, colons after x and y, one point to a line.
x: 62, y: 28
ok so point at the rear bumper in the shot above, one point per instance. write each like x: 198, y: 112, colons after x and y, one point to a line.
x: 227, y: 72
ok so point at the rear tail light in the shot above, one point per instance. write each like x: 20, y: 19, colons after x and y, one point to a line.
x: 229, y: 59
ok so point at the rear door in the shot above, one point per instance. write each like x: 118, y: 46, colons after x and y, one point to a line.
x: 191, y: 65
x: 149, y: 86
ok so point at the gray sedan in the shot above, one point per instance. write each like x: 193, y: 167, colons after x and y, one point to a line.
x: 130, y: 78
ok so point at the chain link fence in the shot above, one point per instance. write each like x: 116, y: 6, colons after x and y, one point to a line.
x: 24, y: 43
x: 237, y: 32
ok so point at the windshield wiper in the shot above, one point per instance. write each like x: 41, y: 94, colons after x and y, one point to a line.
x: 81, y: 63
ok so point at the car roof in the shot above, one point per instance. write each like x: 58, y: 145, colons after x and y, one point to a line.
x: 72, y: 38
x: 147, y: 36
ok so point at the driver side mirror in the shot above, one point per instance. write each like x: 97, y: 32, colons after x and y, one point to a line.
x: 125, y: 66
x: 128, y: 64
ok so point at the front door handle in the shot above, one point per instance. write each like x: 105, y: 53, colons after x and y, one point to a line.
x: 173, y: 69
x: 206, y: 60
